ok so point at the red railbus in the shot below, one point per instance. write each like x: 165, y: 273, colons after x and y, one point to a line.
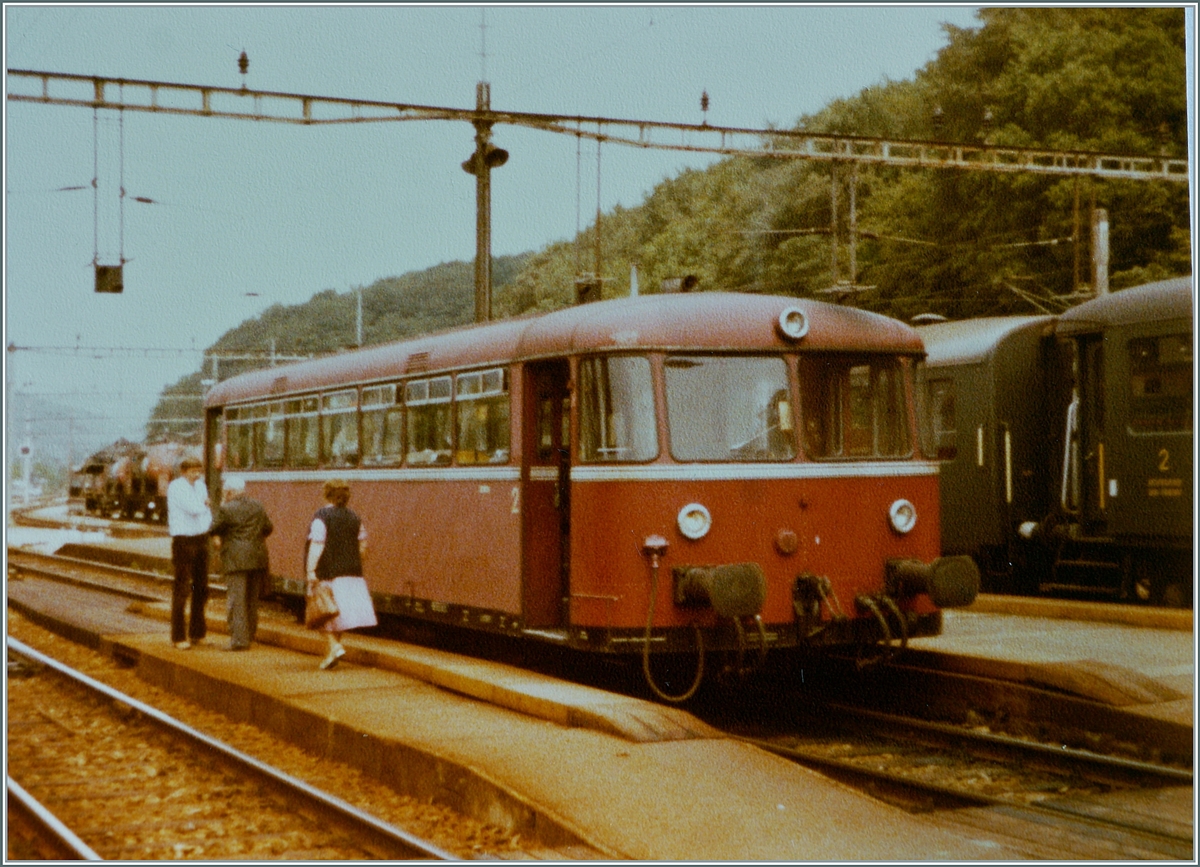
x: 709, y: 473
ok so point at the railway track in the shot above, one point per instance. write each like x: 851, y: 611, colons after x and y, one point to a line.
x: 459, y: 832
x: 133, y: 783
x: 103, y: 577
x: 42, y: 515
x: 37, y: 834
x: 1047, y: 800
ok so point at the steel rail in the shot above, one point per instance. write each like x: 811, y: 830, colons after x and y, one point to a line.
x: 1180, y: 846
x: 296, y: 108
x: 15, y: 555
x: 381, y: 833
x: 1086, y: 763
x: 53, y: 839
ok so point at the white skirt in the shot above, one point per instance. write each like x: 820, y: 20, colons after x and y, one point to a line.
x: 355, y: 609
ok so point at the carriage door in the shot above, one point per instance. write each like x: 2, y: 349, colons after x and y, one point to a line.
x: 546, y: 509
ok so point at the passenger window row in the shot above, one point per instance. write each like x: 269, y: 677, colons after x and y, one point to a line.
x: 383, y: 425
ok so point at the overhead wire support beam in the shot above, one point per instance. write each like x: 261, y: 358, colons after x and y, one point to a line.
x: 244, y: 104
x: 160, y: 97
x: 791, y: 144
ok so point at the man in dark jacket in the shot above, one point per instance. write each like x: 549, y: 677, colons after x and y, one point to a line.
x: 241, y: 527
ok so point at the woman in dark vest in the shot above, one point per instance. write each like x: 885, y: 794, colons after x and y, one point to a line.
x: 337, y: 546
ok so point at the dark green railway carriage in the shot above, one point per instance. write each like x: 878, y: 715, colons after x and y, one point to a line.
x: 994, y: 397
x: 1133, y: 462
x: 1065, y: 444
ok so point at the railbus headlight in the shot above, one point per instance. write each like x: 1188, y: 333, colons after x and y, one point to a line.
x: 903, y: 516
x: 694, y: 521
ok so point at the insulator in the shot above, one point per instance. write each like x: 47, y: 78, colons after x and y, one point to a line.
x: 496, y: 157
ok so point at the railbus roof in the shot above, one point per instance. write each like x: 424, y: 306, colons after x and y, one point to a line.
x: 702, y: 322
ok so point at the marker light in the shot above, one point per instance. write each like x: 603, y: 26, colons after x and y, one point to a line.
x: 903, y: 516
x: 793, y: 324
x: 694, y: 521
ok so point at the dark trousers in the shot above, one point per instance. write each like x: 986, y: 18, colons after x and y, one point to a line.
x: 241, y: 605
x: 189, y: 555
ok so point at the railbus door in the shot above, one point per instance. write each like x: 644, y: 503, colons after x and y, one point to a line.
x: 212, y: 454
x: 546, y: 493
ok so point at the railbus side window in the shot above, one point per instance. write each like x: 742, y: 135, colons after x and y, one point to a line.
x: 482, y: 405
x: 821, y: 404
x: 427, y: 407
x: 616, y: 395
x: 1160, y: 384
x: 729, y: 408
x: 382, y: 426
x: 891, y: 410
x: 853, y: 408
x: 258, y: 436
x: 239, y: 438
x: 339, y: 428
x: 302, y: 427
x: 269, y: 435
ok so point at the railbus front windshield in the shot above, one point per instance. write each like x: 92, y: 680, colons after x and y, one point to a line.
x: 729, y: 408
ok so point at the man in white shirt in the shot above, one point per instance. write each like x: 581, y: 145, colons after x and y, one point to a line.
x: 188, y: 519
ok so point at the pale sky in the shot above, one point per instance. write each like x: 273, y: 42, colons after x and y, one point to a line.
x: 287, y: 211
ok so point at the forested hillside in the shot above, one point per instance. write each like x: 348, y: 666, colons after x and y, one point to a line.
x: 928, y: 240
x: 956, y: 243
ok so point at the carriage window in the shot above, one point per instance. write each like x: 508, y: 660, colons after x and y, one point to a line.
x: 1160, y: 383
x: 853, y: 408
x: 937, y: 413
x: 339, y: 428
x: 616, y: 418
x: 427, y: 402
x: 238, y: 437
x: 268, y: 435
x: 302, y: 450
x: 382, y: 426
x: 728, y: 408
x: 483, y: 417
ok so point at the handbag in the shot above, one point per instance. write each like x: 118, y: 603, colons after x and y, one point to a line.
x: 319, y: 606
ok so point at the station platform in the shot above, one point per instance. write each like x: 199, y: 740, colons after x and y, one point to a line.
x: 1139, y: 658
x: 1144, y: 670
x: 589, y: 772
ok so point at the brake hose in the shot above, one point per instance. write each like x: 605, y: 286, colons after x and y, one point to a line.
x: 674, y: 699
